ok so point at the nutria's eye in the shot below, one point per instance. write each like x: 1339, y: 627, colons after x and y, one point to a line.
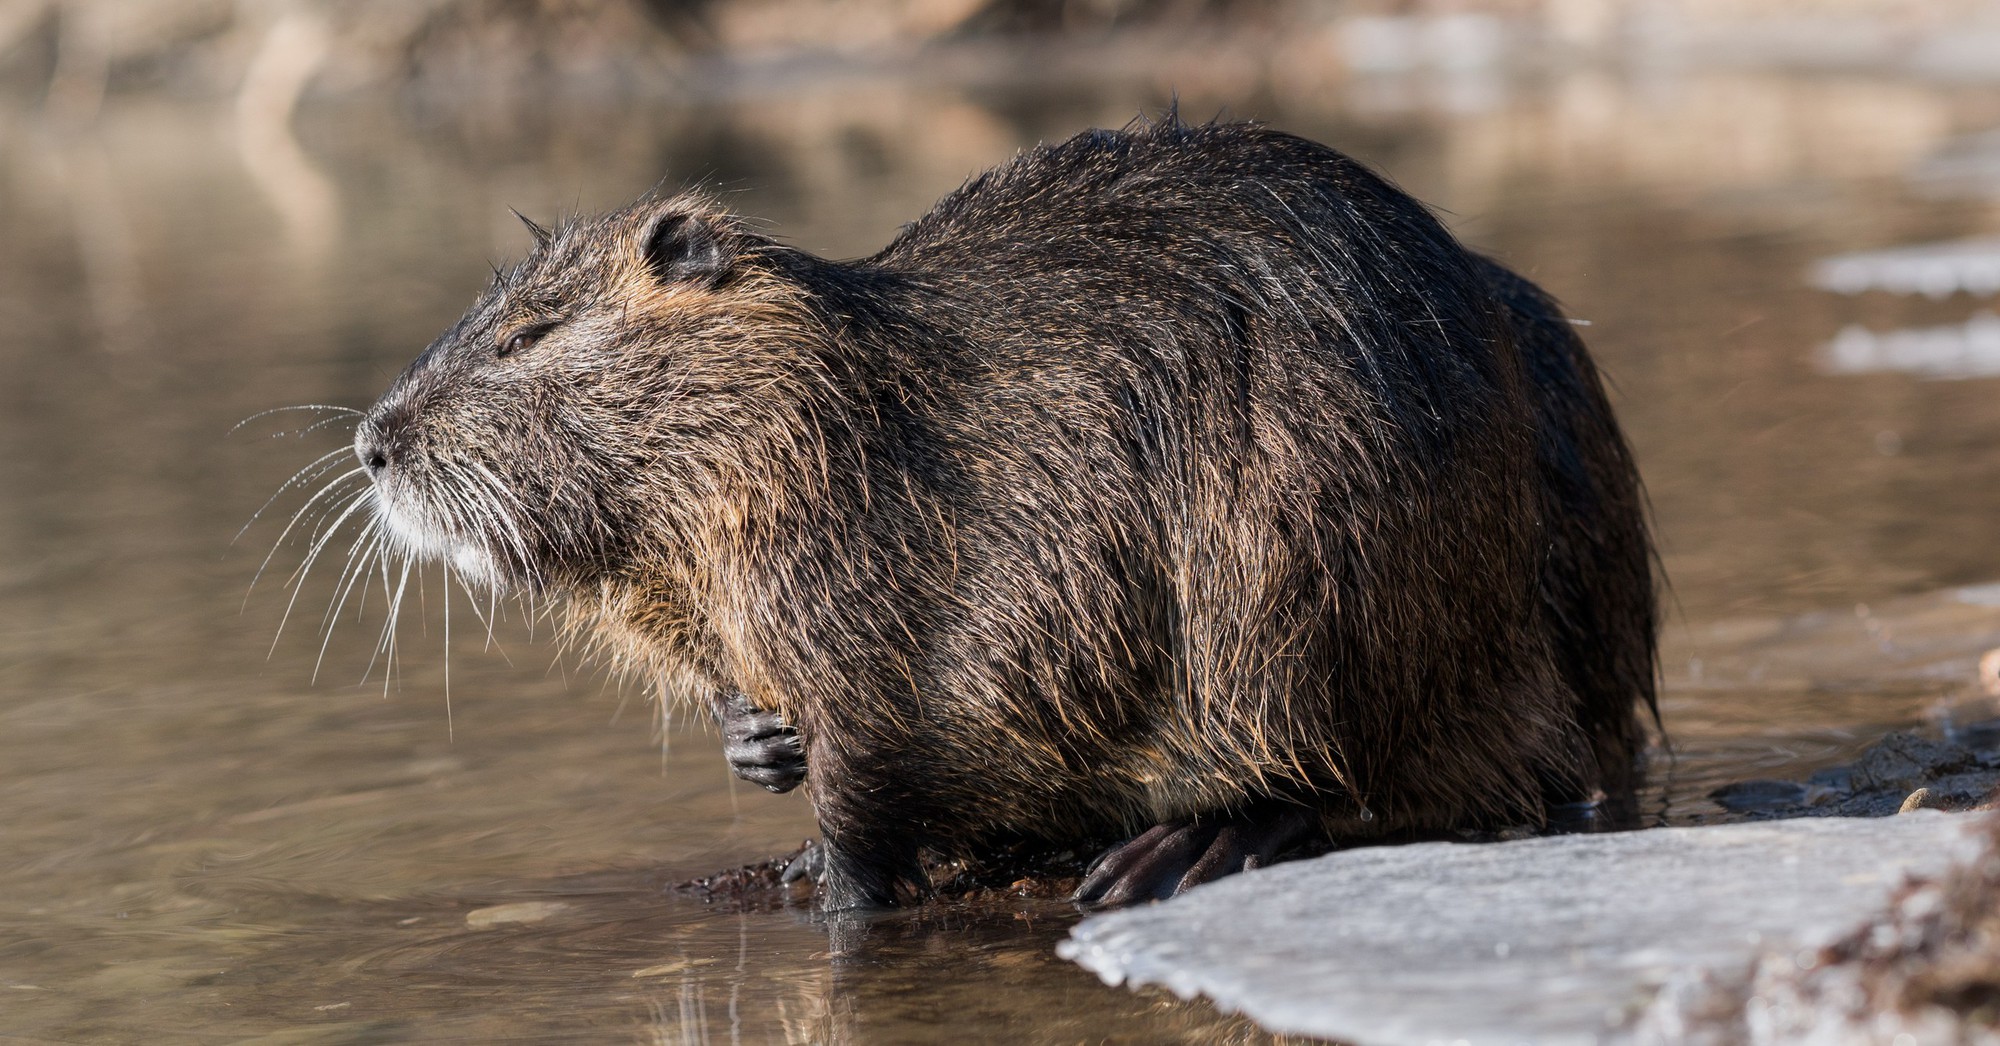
x: 522, y: 340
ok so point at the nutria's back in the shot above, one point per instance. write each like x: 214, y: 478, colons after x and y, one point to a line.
x: 1152, y: 476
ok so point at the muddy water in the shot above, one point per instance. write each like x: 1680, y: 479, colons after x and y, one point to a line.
x: 212, y: 830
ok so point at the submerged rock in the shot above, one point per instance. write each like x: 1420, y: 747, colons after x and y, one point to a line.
x: 1561, y: 939
x: 1903, y: 761
x: 1759, y: 795
x: 1885, y: 779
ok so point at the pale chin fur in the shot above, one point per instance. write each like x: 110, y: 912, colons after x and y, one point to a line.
x: 418, y: 538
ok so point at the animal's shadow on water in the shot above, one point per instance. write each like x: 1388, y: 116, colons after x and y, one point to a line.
x: 640, y: 950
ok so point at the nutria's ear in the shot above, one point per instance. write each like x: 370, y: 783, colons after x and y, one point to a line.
x: 687, y: 248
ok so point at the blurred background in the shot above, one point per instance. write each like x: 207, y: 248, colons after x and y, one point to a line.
x: 1780, y: 218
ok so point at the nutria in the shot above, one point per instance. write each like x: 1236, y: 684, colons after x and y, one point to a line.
x: 1188, y: 481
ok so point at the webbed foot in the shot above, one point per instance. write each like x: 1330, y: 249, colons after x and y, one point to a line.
x: 759, y: 745
x: 1168, y: 858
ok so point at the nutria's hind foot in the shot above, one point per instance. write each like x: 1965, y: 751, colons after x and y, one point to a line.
x: 842, y: 884
x: 858, y: 876
x: 1169, y: 858
x: 759, y: 745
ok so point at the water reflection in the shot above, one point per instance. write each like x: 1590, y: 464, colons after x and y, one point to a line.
x: 1960, y: 350
x: 291, y: 52
x: 198, y: 837
x: 1935, y: 270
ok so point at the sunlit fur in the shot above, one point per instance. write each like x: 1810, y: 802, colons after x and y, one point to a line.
x: 1151, y: 474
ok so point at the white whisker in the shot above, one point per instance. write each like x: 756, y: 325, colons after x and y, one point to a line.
x: 343, y: 411
x: 494, y: 491
x: 331, y: 486
x: 358, y: 556
x: 322, y: 464
x: 324, y: 531
x: 385, y: 647
x: 359, y: 499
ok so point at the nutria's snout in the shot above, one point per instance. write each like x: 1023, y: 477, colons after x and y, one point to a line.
x: 405, y: 495
x: 382, y: 441
x: 373, y: 443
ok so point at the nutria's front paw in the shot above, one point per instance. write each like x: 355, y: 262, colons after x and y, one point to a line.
x: 760, y: 747
x: 1169, y: 858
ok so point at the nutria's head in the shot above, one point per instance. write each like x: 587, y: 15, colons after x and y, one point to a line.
x: 542, y: 439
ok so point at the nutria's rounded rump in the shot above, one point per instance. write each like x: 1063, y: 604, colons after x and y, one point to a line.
x: 1189, y: 484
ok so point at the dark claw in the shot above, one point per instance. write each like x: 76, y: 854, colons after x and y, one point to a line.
x: 1166, y: 859
x: 810, y: 864
x: 759, y: 746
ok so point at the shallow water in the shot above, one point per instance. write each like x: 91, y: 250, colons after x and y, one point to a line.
x: 202, y: 841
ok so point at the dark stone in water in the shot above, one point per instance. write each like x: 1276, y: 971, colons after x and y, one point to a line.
x: 1838, y: 778
x: 1903, y: 761
x: 1982, y: 737
x: 1748, y: 796
x: 1878, y: 783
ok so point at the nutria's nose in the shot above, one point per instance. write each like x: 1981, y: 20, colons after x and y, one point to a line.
x: 375, y: 439
x: 370, y: 448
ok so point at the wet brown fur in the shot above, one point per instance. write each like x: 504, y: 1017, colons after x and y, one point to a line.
x: 1152, y: 474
